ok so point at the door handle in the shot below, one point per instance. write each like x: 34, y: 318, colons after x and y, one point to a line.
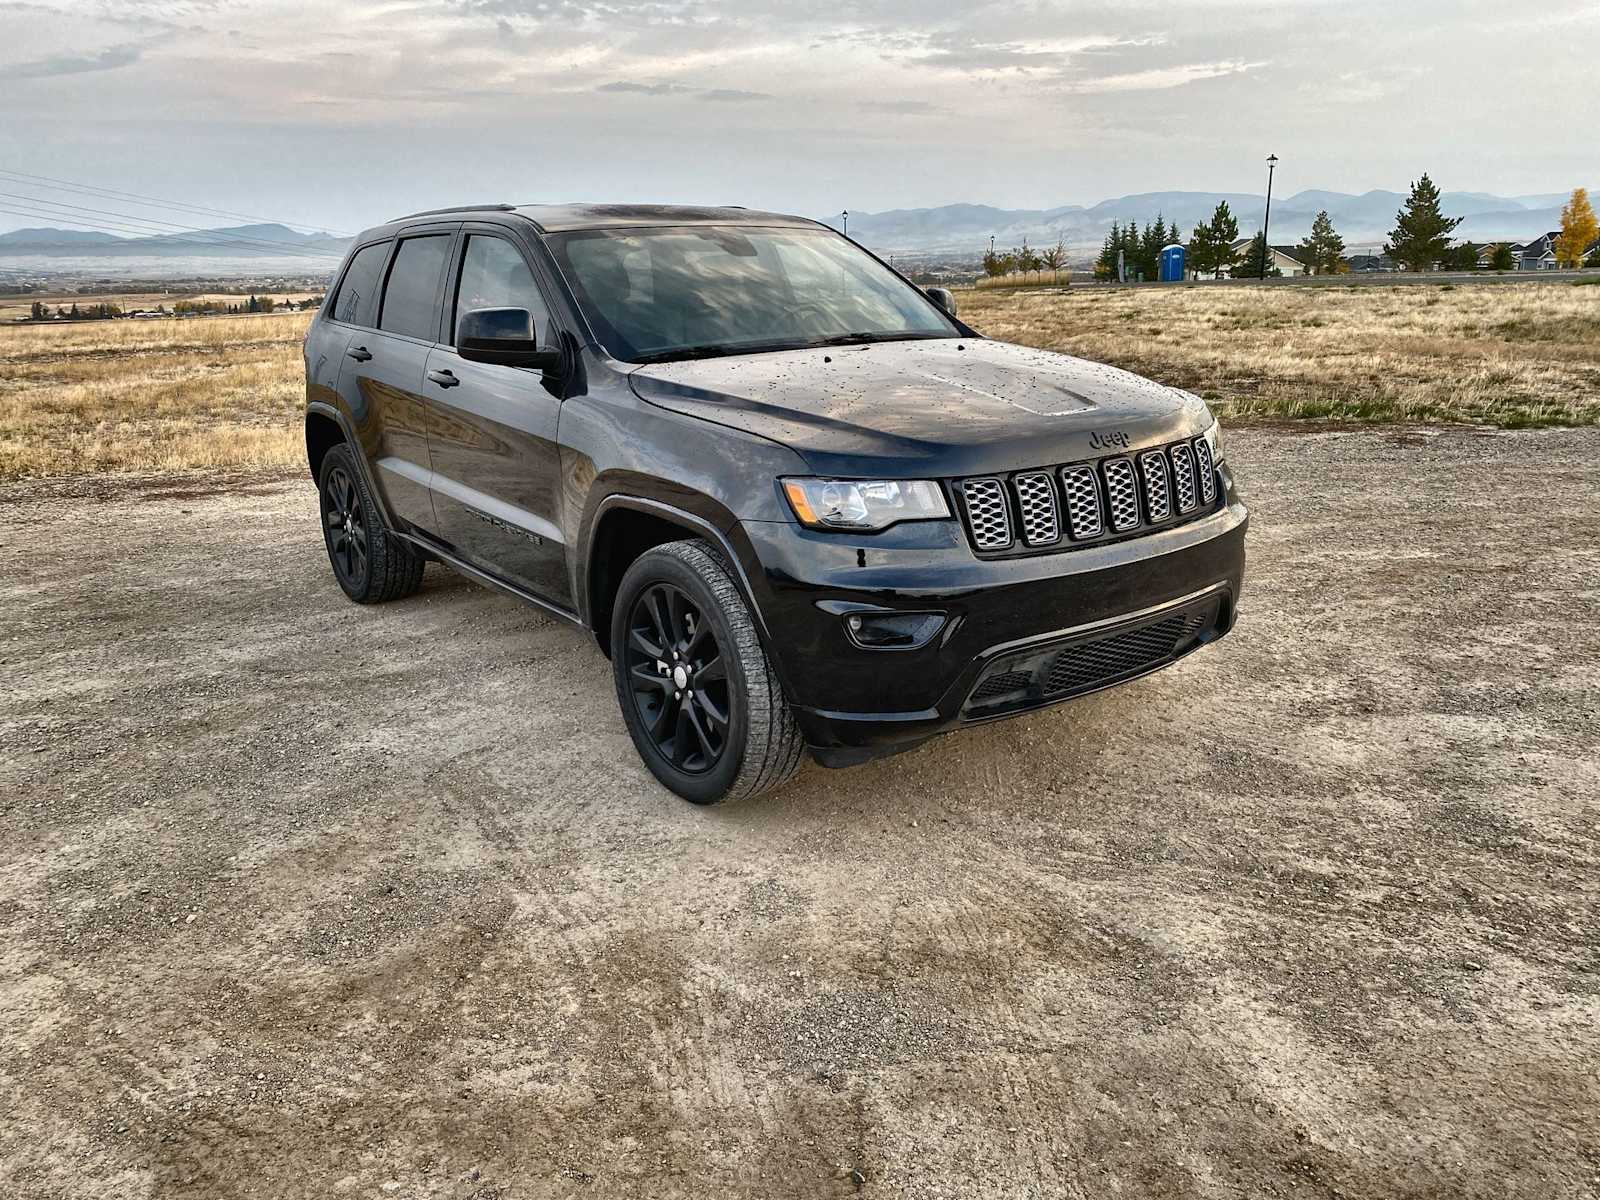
x: 445, y: 379
x: 359, y: 353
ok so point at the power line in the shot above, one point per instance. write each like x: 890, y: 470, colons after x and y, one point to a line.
x: 151, y: 227
x: 156, y: 202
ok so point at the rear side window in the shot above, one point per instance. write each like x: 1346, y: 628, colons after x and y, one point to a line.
x: 357, y: 301
x: 411, y: 299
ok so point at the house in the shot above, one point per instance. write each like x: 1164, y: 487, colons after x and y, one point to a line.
x: 1285, y: 258
x: 1539, y: 254
x: 1486, y: 254
x: 1370, y: 262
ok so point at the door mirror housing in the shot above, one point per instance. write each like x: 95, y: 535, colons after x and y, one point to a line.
x: 504, y: 337
x: 943, y: 298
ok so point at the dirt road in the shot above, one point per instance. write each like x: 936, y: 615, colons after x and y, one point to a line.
x: 300, y: 899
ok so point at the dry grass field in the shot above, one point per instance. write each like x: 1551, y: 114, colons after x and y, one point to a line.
x: 1512, y: 355
x: 225, y: 392
x: 102, y: 396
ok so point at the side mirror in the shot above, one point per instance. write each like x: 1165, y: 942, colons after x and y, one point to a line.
x: 504, y: 337
x: 943, y: 298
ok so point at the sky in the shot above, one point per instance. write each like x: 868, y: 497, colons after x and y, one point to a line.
x: 341, y: 115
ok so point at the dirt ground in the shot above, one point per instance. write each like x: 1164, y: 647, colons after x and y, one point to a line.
x: 301, y: 899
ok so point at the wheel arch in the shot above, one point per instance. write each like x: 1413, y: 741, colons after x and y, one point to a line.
x: 327, y: 427
x: 624, y: 527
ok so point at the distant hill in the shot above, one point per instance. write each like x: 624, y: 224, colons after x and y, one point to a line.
x: 1367, y: 217
x: 57, y: 237
x: 238, y: 241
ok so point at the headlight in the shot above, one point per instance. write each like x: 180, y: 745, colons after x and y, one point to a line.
x: 1213, y: 436
x: 863, y: 504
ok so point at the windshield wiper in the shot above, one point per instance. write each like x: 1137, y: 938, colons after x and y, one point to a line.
x: 714, y: 350
x: 852, y: 339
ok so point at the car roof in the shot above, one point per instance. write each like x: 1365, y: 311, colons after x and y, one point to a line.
x: 563, y: 218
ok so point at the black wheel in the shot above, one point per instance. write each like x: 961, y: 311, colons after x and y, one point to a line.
x: 698, y: 695
x: 370, y: 563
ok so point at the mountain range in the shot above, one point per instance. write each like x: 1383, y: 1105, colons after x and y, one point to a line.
x: 238, y: 241
x: 950, y: 229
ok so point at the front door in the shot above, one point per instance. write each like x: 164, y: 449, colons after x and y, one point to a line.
x: 492, y: 434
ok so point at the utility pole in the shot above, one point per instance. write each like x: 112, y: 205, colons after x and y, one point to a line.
x: 1266, y: 221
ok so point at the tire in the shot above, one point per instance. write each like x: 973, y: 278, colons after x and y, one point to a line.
x: 370, y: 563
x: 760, y: 744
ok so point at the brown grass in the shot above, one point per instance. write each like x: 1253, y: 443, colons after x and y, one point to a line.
x: 226, y: 392
x: 1503, y: 354
x: 214, y: 392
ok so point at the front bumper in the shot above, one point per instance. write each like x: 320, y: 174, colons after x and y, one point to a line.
x: 1052, y: 626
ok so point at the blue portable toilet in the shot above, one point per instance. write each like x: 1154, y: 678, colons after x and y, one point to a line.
x: 1172, y: 264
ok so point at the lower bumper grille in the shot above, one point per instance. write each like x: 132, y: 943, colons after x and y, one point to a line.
x: 1028, y: 678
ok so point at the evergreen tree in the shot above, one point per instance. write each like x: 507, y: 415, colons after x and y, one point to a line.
x: 1323, y: 249
x: 1501, y: 258
x: 1105, y: 267
x: 1211, y: 246
x: 1421, y: 235
x: 1150, y: 246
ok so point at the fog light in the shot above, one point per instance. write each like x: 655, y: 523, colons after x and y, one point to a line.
x: 893, y: 630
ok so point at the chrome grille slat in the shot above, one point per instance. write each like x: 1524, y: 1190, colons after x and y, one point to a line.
x: 1082, y: 497
x: 1207, y: 470
x: 1036, y: 506
x: 1183, y: 491
x: 987, y: 513
x: 1122, y: 491
x: 1157, y: 492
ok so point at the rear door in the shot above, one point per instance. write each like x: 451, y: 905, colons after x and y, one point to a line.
x: 492, y: 430
x: 393, y: 301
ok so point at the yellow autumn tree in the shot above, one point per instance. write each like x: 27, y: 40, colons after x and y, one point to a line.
x: 1579, y: 230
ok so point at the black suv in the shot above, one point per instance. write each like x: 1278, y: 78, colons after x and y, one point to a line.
x: 798, y: 503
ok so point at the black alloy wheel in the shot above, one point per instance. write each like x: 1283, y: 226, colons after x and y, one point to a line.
x: 678, y: 677
x: 344, y: 525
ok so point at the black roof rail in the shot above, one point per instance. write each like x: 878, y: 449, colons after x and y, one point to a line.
x: 455, y: 208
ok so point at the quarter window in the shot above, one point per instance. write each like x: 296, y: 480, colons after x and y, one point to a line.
x: 357, y: 301
x: 411, y: 299
x: 495, y: 275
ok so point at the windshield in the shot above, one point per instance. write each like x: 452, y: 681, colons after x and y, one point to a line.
x: 657, y: 294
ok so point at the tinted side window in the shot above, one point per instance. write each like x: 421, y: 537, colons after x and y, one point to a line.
x: 357, y: 301
x: 411, y: 299
x: 495, y: 275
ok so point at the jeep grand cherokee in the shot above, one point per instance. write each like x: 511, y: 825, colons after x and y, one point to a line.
x: 797, y: 501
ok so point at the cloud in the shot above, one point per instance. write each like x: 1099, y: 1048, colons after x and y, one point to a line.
x: 642, y: 89
x: 1160, y: 78
x: 920, y: 108
x: 733, y: 94
x: 71, y: 64
x: 725, y: 95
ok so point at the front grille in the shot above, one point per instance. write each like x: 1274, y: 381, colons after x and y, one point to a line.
x: 987, y: 513
x: 1157, y: 496
x: 1036, y: 500
x: 1027, y: 678
x: 1207, y: 470
x: 1089, y: 501
x: 1122, y: 492
x: 1083, y: 502
x: 1183, y: 478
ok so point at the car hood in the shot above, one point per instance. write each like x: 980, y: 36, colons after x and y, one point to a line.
x: 942, y: 407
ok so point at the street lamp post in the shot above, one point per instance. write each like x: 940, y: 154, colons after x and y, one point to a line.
x: 1266, y: 221
x: 845, y: 217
